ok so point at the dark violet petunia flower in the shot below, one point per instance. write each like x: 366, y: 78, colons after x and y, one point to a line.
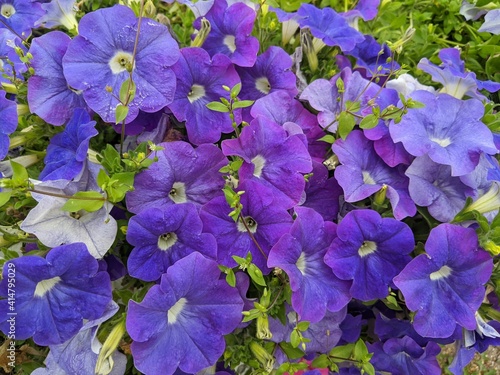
x: 20, y: 15
x: 455, y: 79
x: 270, y: 73
x: 102, y: 52
x: 200, y: 80
x: 442, y: 130
x: 181, y: 174
x: 370, y: 251
x: 433, y: 186
x: 59, y: 13
x: 300, y: 253
x: 162, y: 236
x: 8, y: 42
x: 273, y: 157
x: 185, y: 316
x: 79, y: 354
x: 403, y: 356
x: 67, y: 151
x: 8, y: 123
x: 446, y: 286
x: 55, y: 294
x: 363, y: 173
x: 230, y: 34
x: 491, y: 22
x: 49, y: 95
x: 265, y: 219
x: 329, y: 26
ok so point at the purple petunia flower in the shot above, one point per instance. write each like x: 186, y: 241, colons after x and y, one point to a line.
x: 364, y: 9
x: 329, y: 26
x: 55, y: 294
x: 265, y: 219
x: 181, y: 174
x: 442, y: 130
x: 187, y: 313
x: 273, y: 157
x: 300, y: 254
x: 230, y: 34
x: 67, y: 151
x: 162, y: 236
x: 8, y: 42
x: 8, y: 123
x: 370, y: 251
x: 101, y: 55
x: 446, y: 286
x: 49, y: 95
x: 19, y: 15
x: 199, y: 81
x: 363, y: 173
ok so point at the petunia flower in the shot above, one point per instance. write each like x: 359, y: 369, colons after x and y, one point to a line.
x: 19, y: 16
x: 491, y: 22
x: 363, y: 173
x: 199, y: 8
x: 8, y: 43
x: 49, y: 95
x: 370, y: 251
x: 442, y: 130
x: 181, y: 174
x: 406, y: 84
x: 266, y: 220
x: 8, y: 123
x: 446, y: 286
x: 200, y: 80
x: 79, y: 354
x: 55, y: 294
x: 99, y: 59
x: 187, y: 314
x: 161, y: 236
x: 59, y: 13
x: 364, y: 9
x: 273, y: 157
x: 300, y: 253
x: 230, y: 34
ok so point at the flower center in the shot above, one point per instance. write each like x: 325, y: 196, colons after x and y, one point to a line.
x: 301, y: 263
x: 167, y: 240
x: 229, y: 42
x: 259, y: 162
x: 175, y: 310
x: 7, y: 10
x: 367, y: 248
x: 178, y: 193
x: 121, y: 62
x: 442, y: 142
x: 197, y: 92
x: 367, y: 179
x: 443, y: 272
x: 77, y: 215
x: 262, y: 84
x: 44, y: 286
x: 251, y: 224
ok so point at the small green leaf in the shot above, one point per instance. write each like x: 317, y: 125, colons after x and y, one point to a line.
x: 84, y: 200
x: 352, y: 106
x: 127, y: 91
x: 414, y: 104
x: 346, y: 124
x: 231, y: 278
x: 121, y: 113
x: 369, y: 122
x: 295, y: 338
x: 368, y: 368
x: 303, y: 326
x: 217, y: 107
x: 290, y: 351
x: 328, y: 139
x: 342, y: 352
x: 321, y: 361
x: 241, y: 261
x: 19, y: 174
x: 256, y: 275
x: 360, y: 351
x: 5, y: 197
x: 235, y: 91
x: 242, y: 104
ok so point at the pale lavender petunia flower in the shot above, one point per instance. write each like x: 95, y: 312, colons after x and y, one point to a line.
x: 59, y: 13
x: 102, y: 52
x: 491, y: 22
x: 446, y: 286
x: 187, y: 313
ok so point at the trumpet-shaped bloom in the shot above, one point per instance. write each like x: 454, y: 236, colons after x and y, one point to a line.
x: 55, y: 294
x: 181, y: 174
x: 491, y: 22
x: 20, y: 15
x: 7, y: 43
x: 99, y: 59
x: 59, y: 13
x: 186, y: 315
x: 8, y: 123
x: 446, y: 286
x: 370, y: 251
x: 442, y: 130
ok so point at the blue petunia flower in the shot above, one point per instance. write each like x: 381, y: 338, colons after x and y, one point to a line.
x: 8, y: 43
x: 101, y: 55
x: 446, y: 286
x: 364, y: 9
x: 59, y: 13
x: 20, y: 16
x: 8, y: 123
x: 55, y: 294
x: 186, y: 315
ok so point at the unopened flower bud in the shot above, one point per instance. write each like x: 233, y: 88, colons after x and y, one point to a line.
x: 202, y: 34
x: 489, y: 201
x: 104, y: 364
x: 266, y: 359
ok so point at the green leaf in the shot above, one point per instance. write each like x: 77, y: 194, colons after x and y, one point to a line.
x: 295, y: 338
x: 369, y: 122
x: 352, y: 106
x: 231, y: 278
x: 368, y: 368
x: 102, y: 179
x: 5, y: 197
x: 414, y: 104
x: 235, y: 91
x: 256, y: 275
x: 121, y: 113
x: 342, y: 352
x: 217, y: 107
x: 242, y: 104
x: 127, y: 91
x: 361, y: 351
x: 321, y: 361
x: 327, y: 138
x: 241, y: 261
x: 84, y: 200
x: 302, y: 326
x: 290, y: 351
x: 19, y: 174
x: 346, y: 124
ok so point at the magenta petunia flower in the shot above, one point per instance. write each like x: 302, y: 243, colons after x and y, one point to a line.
x: 185, y: 316
x: 446, y: 286
x: 101, y: 55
